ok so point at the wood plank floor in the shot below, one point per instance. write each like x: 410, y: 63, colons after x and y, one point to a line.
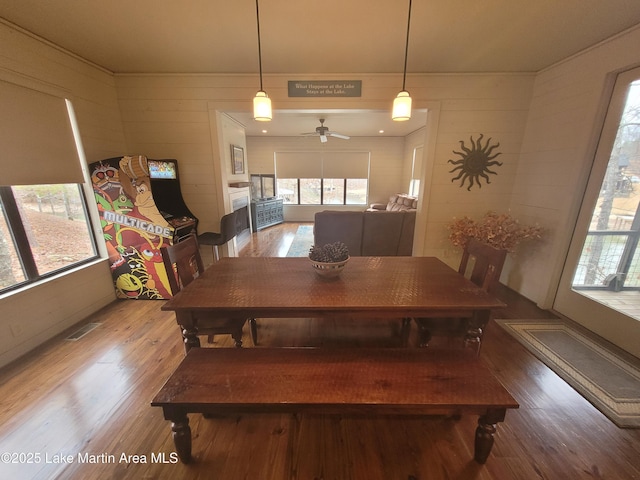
x: 80, y: 410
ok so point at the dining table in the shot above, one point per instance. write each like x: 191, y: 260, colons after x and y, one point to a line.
x: 369, y: 288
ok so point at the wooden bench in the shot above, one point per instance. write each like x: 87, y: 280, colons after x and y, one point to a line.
x: 333, y: 381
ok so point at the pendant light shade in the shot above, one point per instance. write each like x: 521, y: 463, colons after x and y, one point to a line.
x: 262, y: 107
x: 401, y: 107
x: 402, y: 103
x: 261, y: 102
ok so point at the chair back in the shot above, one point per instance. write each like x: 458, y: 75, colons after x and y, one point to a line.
x: 488, y: 264
x: 185, y: 255
x: 228, y: 227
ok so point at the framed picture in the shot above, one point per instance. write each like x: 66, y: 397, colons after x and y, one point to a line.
x: 237, y: 159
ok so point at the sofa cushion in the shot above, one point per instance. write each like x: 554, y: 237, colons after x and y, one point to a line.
x: 334, y: 226
x: 402, y: 202
x: 382, y: 233
x: 405, y: 243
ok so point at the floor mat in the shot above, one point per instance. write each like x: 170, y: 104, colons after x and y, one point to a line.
x: 302, y: 242
x: 608, y: 378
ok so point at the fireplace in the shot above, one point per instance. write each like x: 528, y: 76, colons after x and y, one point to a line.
x: 243, y: 220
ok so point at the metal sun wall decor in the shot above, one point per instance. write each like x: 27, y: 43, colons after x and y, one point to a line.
x: 475, y: 162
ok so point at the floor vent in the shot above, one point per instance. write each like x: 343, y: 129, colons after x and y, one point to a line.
x: 78, y: 334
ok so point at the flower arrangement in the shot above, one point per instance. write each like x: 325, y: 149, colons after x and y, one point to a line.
x: 500, y: 231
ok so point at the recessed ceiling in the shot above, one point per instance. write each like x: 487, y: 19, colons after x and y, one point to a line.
x: 354, y: 123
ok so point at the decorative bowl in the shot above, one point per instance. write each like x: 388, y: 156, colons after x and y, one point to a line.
x: 329, y: 269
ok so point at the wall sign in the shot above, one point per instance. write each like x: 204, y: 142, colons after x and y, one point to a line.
x: 325, y: 88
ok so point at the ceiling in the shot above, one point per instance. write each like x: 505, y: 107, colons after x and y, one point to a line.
x: 326, y: 37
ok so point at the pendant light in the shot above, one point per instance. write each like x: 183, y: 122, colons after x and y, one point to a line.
x: 261, y: 102
x: 402, y: 103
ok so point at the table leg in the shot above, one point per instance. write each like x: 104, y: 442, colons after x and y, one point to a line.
x: 424, y: 334
x: 484, y: 434
x: 190, y: 338
x: 475, y: 328
x: 405, y: 331
x: 182, y: 436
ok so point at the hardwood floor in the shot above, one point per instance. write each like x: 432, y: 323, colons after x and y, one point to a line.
x: 81, y: 410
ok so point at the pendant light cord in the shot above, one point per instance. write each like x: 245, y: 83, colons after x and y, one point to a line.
x: 259, y: 46
x: 406, y: 48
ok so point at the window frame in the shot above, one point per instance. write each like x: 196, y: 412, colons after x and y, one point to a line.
x: 18, y: 235
x: 344, y: 193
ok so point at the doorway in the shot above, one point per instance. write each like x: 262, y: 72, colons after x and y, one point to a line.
x: 600, y: 284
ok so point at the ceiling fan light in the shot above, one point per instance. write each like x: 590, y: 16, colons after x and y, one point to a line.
x: 401, y: 107
x: 262, y: 107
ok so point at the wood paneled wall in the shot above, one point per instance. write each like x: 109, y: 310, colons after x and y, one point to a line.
x: 50, y: 307
x: 562, y: 130
x: 166, y: 115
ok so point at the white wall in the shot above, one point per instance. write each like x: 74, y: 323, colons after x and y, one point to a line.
x: 39, y: 313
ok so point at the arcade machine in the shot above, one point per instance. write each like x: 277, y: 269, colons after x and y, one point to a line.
x: 165, y: 186
x: 134, y: 228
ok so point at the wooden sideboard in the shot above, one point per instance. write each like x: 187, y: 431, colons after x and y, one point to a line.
x: 265, y: 213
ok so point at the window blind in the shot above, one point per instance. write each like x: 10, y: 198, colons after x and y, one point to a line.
x: 36, y: 141
x: 345, y: 165
x: 298, y: 164
x: 322, y: 164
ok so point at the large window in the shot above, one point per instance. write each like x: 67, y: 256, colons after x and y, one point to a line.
x: 323, y: 191
x: 323, y: 178
x: 44, y: 226
x: 44, y: 229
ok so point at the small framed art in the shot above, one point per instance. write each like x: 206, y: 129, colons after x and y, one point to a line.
x: 237, y: 159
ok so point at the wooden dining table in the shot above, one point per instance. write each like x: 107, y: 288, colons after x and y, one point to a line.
x: 369, y: 288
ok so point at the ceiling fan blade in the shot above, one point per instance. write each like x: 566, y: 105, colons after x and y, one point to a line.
x: 323, y: 138
x: 339, y: 135
x: 308, y: 134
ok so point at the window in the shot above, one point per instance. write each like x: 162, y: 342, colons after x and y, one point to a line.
x: 43, y: 230
x: 323, y: 191
x: 416, y: 171
x: 323, y: 178
x: 44, y: 226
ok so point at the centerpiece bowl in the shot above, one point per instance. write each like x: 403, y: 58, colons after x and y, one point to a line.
x: 329, y: 260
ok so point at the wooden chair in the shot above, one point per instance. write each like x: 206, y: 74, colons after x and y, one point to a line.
x: 217, y: 239
x: 184, y: 264
x: 485, y: 273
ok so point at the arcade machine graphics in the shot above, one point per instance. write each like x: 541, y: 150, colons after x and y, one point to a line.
x: 134, y: 229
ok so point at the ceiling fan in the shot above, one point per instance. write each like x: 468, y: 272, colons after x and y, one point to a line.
x: 324, y: 132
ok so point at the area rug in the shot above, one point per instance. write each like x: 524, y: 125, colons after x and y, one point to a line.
x: 302, y: 242
x: 609, y: 379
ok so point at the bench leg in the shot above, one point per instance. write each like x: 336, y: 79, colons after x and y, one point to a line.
x: 484, y: 434
x: 182, y: 437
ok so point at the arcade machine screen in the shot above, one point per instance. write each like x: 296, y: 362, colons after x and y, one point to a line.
x: 162, y: 169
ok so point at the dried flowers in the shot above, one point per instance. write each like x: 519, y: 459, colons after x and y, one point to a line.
x: 500, y: 231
